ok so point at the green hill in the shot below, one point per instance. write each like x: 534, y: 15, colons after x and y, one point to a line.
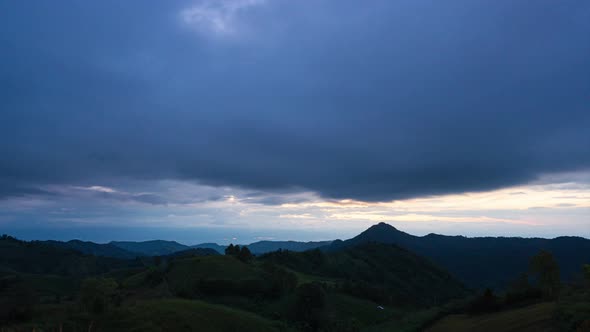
x: 184, y: 315
x: 262, y: 247
x: 379, y: 272
x: 192, y: 252
x: 40, y: 258
x: 504, y: 257
x: 535, y: 318
x: 362, y: 287
x: 219, y: 248
x: 192, y: 276
x: 91, y: 248
x: 367, y: 287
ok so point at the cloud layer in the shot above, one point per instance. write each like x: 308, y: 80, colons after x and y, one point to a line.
x: 393, y: 100
x: 197, y: 213
x: 217, y: 17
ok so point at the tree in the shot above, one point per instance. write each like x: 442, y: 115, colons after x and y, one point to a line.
x: 232, y: 250
x: 245, y: 255
x: 545, y: 267
x: 586, y: 269
x: 7, y: 237
x: 242, y: 253
x: 229, y: 250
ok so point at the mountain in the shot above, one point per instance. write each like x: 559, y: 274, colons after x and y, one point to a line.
x: 37, y: 257
x: 193, y: 252
x: 480, y: 261
x: 151, y: 248
x: 262, y: 247
x: 91, y: 248
x: 219, y: 248
x: 349, y: 290
x: 131, y: 249
x: 383, y: 273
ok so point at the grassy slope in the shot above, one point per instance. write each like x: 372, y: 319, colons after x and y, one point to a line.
x: 40, y: 258
x: 535, y: 318
x: 183, y: 273
x: 49, y: 285
x: 365, y: 312
x: 212, y: 267
x: 155, y: 316
x: 401, y: 275
x: 185, y: 315
x: 573, y: 309
x: 148, y: 307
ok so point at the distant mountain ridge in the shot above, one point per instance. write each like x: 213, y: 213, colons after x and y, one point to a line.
x: 219, y: 248
x: 479, y: 261
x: 194, y: 252
x: 151, y: 248
x: 262, y: 247
x: 132, y: 249
x: 55, y: 258
x: 91, y: 248
x: 159, y: 247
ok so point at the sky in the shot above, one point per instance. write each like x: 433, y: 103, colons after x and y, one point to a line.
x: 244, y: 120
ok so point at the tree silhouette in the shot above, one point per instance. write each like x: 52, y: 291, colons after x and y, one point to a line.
x: 245, y: 255
x: 545, y: 267
x: 241, y: 253
x: 232, y: 250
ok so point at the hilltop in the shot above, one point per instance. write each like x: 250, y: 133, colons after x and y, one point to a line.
x: 46, y: 258
x: 498, y: 259
x: 91, y: 248
x: 372, y: 282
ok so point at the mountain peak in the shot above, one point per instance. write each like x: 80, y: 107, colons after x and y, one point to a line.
x: 383, y: 233
x: 379, y: 233
x: 383, y: 225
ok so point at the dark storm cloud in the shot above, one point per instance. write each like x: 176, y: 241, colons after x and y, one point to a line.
x: 13, y: 189
x: 378, y: 101
x: 146, y: 198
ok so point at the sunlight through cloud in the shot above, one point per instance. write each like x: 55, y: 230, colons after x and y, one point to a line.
x: 217, y: 17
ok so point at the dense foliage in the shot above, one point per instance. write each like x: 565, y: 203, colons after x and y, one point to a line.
x: 381, y: 273
x: 367, y: 287
x: 41, y: 258
x: 504, y: 257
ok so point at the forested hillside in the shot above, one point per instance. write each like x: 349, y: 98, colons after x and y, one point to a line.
x: 479, y: 262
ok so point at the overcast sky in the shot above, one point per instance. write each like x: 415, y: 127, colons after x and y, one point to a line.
x: 238, y: 120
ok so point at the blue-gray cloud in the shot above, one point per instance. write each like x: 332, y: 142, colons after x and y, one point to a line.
x: 377, y: 101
